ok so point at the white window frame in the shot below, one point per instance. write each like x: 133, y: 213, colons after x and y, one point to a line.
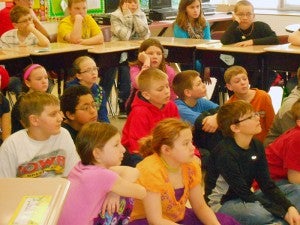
x: 282, y: 4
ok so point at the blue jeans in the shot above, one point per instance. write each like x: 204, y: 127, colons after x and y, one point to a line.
x: 291, y: 192
x: 249, y: 213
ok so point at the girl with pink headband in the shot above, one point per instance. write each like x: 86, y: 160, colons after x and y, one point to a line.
x: 35, y: 78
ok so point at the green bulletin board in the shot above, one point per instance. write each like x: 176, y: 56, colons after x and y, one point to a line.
x: 55, y: 10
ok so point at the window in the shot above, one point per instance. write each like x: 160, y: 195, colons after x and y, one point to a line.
x: 267, y: 4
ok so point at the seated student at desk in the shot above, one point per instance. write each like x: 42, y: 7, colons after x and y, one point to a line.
x: 190, y: 23
x: 78, y: 27
x: 294, y: 38
x: 6, y: 23
x: 244, y: 31
x: 25, y: 33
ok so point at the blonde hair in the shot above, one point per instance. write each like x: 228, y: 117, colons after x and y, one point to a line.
x: 242, y: 3
x: 232, y: 72
x: 164, y: 133
x: 146, y: 78
x: 33, y: 103
x: 71, y: 2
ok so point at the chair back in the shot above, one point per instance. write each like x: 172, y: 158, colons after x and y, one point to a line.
x: 216, y: 35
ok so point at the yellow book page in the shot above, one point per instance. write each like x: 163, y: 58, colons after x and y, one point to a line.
x: 32, y: 210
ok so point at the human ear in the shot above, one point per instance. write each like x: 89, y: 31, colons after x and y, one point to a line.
x: 33, y: 120
x: 146, y: 95
x: 234, y: 128
x: 187, y: 93
x: 165, y: 149
x: 70, y: 116
x: 97, y: 154
x: 229, y: 87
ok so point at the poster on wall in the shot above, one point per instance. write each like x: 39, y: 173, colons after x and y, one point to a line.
x: 57, y: 8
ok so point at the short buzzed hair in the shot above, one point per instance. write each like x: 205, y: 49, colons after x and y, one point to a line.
x: 17, y: 12
x: 148, y: 76
x: 184, y: 80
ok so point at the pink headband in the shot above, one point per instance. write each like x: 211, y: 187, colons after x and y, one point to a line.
x: 29, y: 70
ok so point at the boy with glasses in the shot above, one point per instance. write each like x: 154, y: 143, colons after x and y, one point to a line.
x: 79, y: 108
x: 239, y: 160
x: 25, y: 33
x: 244, y: 31
x: 86, y: 74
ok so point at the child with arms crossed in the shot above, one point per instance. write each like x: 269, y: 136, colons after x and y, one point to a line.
x: 98, y: 174
x: 235, y: 163
x: 244, y: 31
x: 79, y: 27
x: 172, y: 176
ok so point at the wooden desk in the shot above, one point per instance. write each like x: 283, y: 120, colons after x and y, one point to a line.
x: 14, y: 60
x: 181, y: 50
x: 282, y: 57
x: 108, y: 54
x: 58, y: 57
x: 250, y: 57
x: 12, y: 190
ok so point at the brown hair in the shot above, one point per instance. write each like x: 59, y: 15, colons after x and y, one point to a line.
x: 242, y: 3
x: 184, y: 80
x: 298, y: 76
x: 233, y: 71
x: 71, y: 2
x: 93, y: 135
x: 121, y: 2
x: 148, y: 76
x: 145, y: 45
x: 230, y: 113
x: 33, y: 103
x: 295, y: 110
x: 182, y: 18
x: 164, y: 133
x: 17, y: 12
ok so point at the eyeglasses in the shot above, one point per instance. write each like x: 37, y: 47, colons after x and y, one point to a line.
x: 241, y: 15
x: 88, y: 107
x: 26, y: 20
x: 90, y: 70
x: 253, y: 115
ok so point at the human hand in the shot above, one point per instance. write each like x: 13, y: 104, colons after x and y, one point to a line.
x: 209, y: 124
x: 78, y: 18
x: 292, y: 216
x: 111, y: 203
x: 244, y: 43
x: 30, y: 27
x: 143, y: 57
x: 236, y: 18
x: 125, y: 7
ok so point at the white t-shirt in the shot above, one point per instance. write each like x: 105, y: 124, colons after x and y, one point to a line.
x: 21, y: 156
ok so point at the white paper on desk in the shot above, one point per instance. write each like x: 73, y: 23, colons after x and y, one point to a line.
x: 211, y: 87
x: 228, y: 59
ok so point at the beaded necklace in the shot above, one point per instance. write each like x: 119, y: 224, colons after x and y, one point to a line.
x: 244, y: 35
